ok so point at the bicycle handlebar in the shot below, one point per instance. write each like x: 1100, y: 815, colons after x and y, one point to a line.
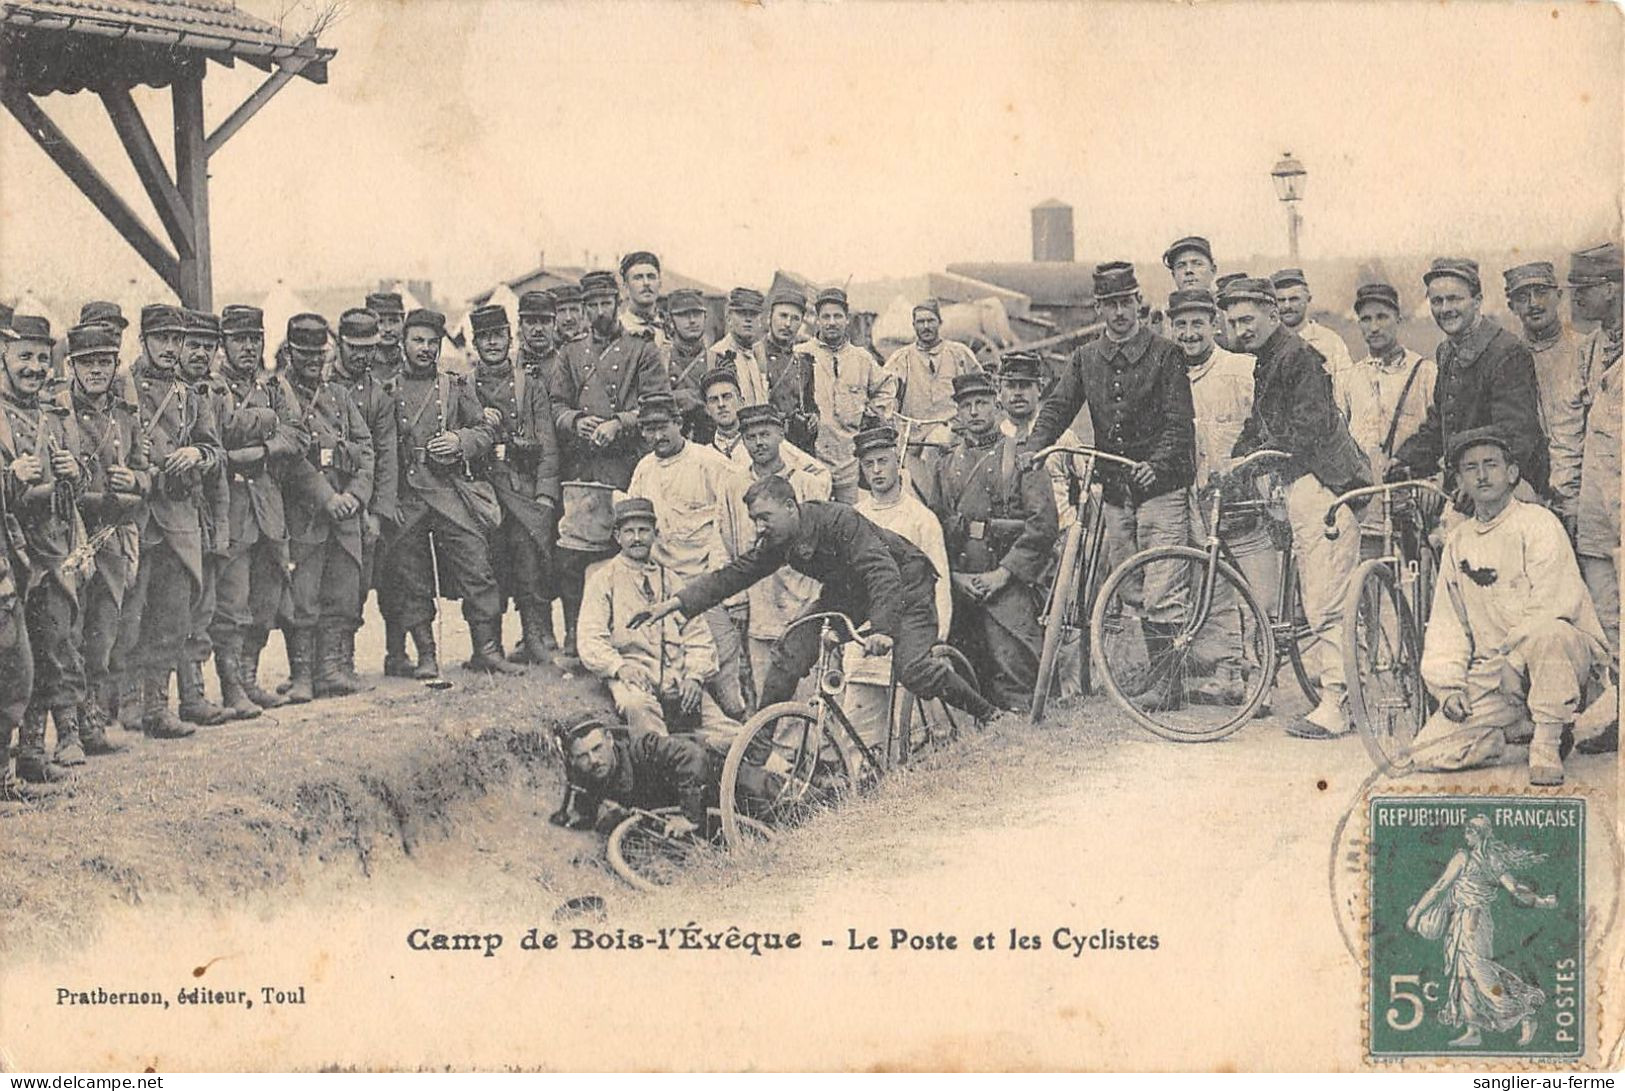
x: 1084, y: 452
x: 921, y: 421
x: 1373, y: 490
x: 1267, y: 454
x: 830, y: 616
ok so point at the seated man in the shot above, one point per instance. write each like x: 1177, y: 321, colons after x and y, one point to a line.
x: 608, y: 769
x: 657, y: 675
x: 1513, y: 635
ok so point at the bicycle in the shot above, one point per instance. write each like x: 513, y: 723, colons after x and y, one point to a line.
x: 913, y: 461
x: 642, y: 854
x: 1389, y: 598
x: 1224, y: 614
x: 797, y: 757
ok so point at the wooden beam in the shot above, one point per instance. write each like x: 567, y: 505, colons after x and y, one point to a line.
x: 72, y: 162
x: 251, y: 105
x: 150, y: 168
x: 192, y: 179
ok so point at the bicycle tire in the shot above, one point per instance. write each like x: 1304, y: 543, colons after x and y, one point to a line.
x: 829, y: 763
x: 1181, y: 725
x: 1061, y: 605
x: 1301, y: 637
x: 1094, y: 577
x: 903, y: 724
x: 1382, y: 665
x: 635, y: 869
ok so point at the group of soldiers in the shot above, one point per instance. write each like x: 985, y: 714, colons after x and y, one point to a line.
x: 680, y: 503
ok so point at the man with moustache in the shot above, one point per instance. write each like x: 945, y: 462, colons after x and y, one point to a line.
x: 1292, y: 300
x: 787, y: 369
x: 849, y: 385
x: 925, y: 372
x: 1021, y: 382
x: 1534, y: 296
x: 687, y: 361
x: 640, y: 273
x: 390, y: 355
x: 569, y: 316
x: 738, y: 346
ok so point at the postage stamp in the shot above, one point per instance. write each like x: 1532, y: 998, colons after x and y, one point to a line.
x: 1476, y: 934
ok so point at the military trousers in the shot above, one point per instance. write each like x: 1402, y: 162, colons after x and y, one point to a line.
x: 161, y: 606
x: 1325, y: 569
x: 640, y: 708
x: 570, y: 565
x: 1002, y: 638
x: 249, y: 586
x: 464, y: 558
x: 59, y: 668
x: 522, y: 565
x: 100, y: 618
x: 326, y: 589
x: 1601, y: 576
x: 1164, y: 592
x: 198, y: 645
x: 16, y: 665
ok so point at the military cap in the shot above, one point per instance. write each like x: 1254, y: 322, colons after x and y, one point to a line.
x: 1191, y: 299
x: 1531, y: 274
x: 92, y: 338
x: 657, y: 406
x: 358, y: 326
x: 565, y: 293
x: 1595, y: 264
x: 241, y: 318
x: 599, y: 282
x: 1189, y: 242
x: 385, y: 303
x: 1285, y: 278
x: 832, y: 295
x: 202, y: 322
x: 307, y: 331
x: 571, y: 730
x: 100, y: 310
x: 764, y: 413
x: 536, y: 305
x: 1460, y: 268
x: 973, y: 382
x: 1021, y: 367
x: 1114, y: 279
x: 1247, y: 290
x: 882, y: 438
x: 423, y: 316
x: 790, y: 296
x: 5, y: 315
x: 1225, y: 281
x: 162, y: 318
x: 745, y: 299
x: 1477, y: 437
x: 636, y: 258
x: 490, y: 317
x: 719, y: 375
x: 29, y: 327
x: 1385, y: 294
x: 634, y: 507
x: 685, y: 300
x: 928, y: 305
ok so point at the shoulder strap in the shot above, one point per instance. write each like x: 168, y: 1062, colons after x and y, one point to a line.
x: 1399, y: 407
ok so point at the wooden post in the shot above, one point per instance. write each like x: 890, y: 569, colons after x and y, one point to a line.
x: 192, y: 179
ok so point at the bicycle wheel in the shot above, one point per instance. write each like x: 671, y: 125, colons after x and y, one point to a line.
x: 940, y: 720
x: 1382, y: 663
x: 1301, y: 638
x: 1060, y: 617
x: 1230, y: 640
x: 783, y: 767
x: 642, y: 854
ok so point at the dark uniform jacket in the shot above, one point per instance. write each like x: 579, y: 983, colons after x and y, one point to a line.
x: 1139, y: 399
x: 1294, y: 411
x: 863, y: 568
x: 1486, y: 377
x: 651, y: 771
x: 374, y: 396
x: 425, y: 406
x: 47, y: 508
x: 339, y: 457
x: 259, y: 415
x: 993, y: 514
x: 106, y: 438
x: 686, y: 372
x: 172, y: 416
x: 216, y: 479
x: 523, y: 466
x: 604, y: 379
x: 789, y: 375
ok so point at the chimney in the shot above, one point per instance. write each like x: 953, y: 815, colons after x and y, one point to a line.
x: 1052, y: 231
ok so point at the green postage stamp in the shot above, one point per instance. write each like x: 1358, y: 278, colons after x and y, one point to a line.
x: 1476, y: 930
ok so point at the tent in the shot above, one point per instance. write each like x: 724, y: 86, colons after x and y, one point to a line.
x: 280, y: 305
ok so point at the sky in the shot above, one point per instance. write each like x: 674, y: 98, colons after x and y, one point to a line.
x: 459, y: 140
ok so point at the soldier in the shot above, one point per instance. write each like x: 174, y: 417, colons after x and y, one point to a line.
x: 523, y: 468
x: 1534, y: 296
x: 538, y: 349
x: 892, y: 507
x: 1139, y: 398
x: 390, y: 355
x: 43, y: 487
x: 1190, y: 264
x: 16, y: 655
x: 361, y: 345
x: 720, y: 388
x: 738, y: 346
x: 1292, y: 301
x: 569, y: 315
x: 640, y: 272
x: 594, y: 393
x: 850, y: 386
x: 260, y: 428
x: 329, y: 489
x: 925, y: 372
x: 444, y: 518
x: 787, y: 369
x: 611, y: 768
x: 686, y: 361
x: 999, y: 524
x: 1021, y: 378
x: 117, y: 479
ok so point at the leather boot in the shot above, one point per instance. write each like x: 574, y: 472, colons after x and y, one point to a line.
x: 1545, y: 759
x: 93, y: 725
x: 565, y: 658
x: 531, y: 648
x: 156, y: 719
x: 346, y: 661
x: 397, y: 664
x: 195, y: 708
x: 14, y: 790
x: 1165, y: 689
x: 287, y: 648
x: 301, y: 652
x: 32, y: 764
x: 487, y: 658
x: 428, y: 659
x: 228, y: 665
x: 248, y: 670
x: 70, y: 750
x: 127, y: 700
x: 329, y: 664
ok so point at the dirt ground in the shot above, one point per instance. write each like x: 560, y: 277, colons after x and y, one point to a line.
x: 304, y: 848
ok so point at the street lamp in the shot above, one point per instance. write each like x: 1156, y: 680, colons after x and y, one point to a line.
x: 1290, y: 177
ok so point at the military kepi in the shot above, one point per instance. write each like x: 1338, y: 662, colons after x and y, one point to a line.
x: 92, y: 338
x: 598, y: 282
x: 1114, y: 280
x: 307, y: 331
x: 1021, y: 367
x: 423, y: 316
x: 634, y: 507
x: 241, y: 318
x: 162, y: 318
x: 386, y: 303
x: 536, y: 305
x: 760, y: 414
x: 358, y: 326
x: 1247, y: 290
x: 30, y: 327
x: 1595, y: 265
x: 883, y: 438
x: 1385, y: 294
x: 972, y: 383
x: 102, y: 311
x: 1531, y: 274
x: 657, y: 406
x: 1189, y: 242
x: 1460, y: 268
x: 1191, y: 299
x: 487, y: 318
x: 1477, y: 437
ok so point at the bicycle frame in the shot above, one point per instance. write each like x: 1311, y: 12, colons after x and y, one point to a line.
x: 832, y: 682
x: 1415, y: 584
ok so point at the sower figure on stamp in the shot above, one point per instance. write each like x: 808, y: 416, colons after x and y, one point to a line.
x: 1512, y: 636
x: 999, y: 526
x: 867, y: 573
x: 657, y: 674
x: 1139, y: 398
x: 117, y: 480
x: 608, y: 769
x: 523, y: 468
x: 329, y: 489
x: 595, y: 393
x: 43, y: 489
x: 442, y: 432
